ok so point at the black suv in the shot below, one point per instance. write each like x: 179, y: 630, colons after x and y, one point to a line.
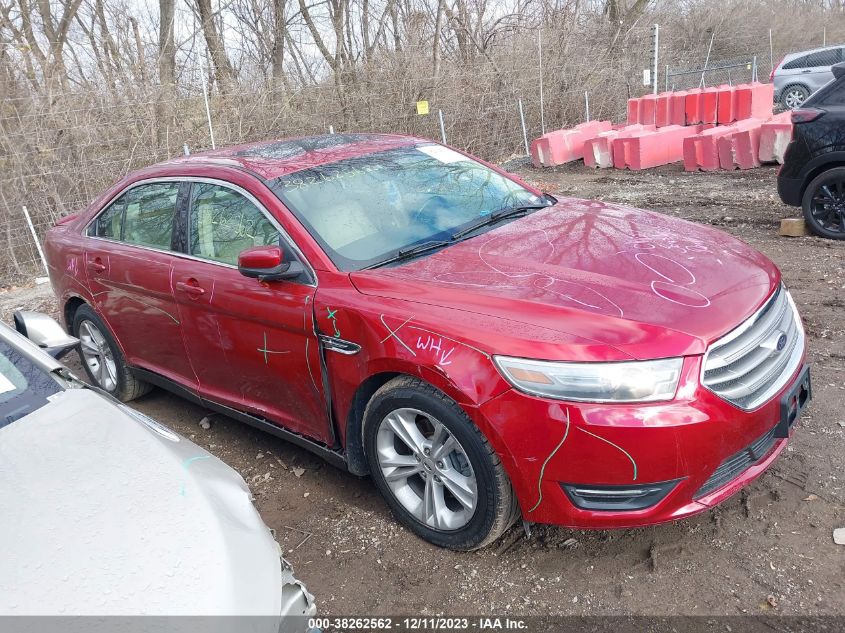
x: 813, y: 172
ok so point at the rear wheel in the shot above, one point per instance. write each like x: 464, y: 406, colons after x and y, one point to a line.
x: 824, y: 204
x: 793, y: 96
x: 102, y: 358
x: 436, y: 470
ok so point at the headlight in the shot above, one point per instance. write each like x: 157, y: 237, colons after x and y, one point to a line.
x: 628, y: 381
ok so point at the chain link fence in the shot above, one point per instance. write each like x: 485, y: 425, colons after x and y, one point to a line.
x: 59, y: 150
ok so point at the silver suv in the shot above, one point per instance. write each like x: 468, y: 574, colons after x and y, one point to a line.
x: 798, y: 75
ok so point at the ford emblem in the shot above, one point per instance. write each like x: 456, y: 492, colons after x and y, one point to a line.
x: 781, y: 342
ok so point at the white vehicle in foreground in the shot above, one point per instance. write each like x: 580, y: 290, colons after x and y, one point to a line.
x: 107, y: 512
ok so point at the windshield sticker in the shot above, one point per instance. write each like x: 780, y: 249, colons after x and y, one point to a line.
x: 6, y: 384
x: 443, y: 154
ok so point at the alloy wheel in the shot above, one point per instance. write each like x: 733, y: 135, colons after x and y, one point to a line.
x: 426, y: 469
x: 98, y: 356
x: 794, y: 98
x: 828, y: 206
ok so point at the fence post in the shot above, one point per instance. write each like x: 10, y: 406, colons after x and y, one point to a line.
x: 771, y: 52
x: 587, y: 105
x: 442, y: 126
x: 185, y: 149
x: 754, y: 69
x: 331, y: 129
x: 524, y: 131
x: 207, y: 109
x: 707, y: 59
x: 656, y: 41
x: 666, y: 89
x: 35, y: 239
x: 540, y: 63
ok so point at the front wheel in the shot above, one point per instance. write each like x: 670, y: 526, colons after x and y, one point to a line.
x: 824, y: 204
x: 436, y: 470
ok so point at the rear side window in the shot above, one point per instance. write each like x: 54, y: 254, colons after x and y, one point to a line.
x: 143, y: 216
x: 816, y: 60
x: 224, y: 223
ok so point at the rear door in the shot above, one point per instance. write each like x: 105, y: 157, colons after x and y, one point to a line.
x: 252, y: 343
x: 128, y: 260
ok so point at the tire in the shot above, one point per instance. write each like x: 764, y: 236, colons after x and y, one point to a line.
x: 824, y: 204
x: 407, y: 469
x: 793, y: 96
x: 102, y: 359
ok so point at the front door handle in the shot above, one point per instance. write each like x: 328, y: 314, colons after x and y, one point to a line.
x: 191, y: 287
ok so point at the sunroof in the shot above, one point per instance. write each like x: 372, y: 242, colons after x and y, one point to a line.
x: 296, y: 147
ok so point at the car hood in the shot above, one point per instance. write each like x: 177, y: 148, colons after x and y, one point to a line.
x: 104, y: 515
x: 646, y: 284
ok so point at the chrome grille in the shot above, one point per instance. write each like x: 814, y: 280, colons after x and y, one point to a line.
x: 746, y: 366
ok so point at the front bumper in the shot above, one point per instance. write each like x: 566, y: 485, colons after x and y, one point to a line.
x: 581, y: 444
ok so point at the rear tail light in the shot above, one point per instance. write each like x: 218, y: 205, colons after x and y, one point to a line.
x: 774, y: 68
x: 805, y: 115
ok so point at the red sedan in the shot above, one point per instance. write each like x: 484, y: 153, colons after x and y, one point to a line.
x: 480, y: 348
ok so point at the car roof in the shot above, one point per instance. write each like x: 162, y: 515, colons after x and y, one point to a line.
x: 275, y: 158
x: 809, y: 51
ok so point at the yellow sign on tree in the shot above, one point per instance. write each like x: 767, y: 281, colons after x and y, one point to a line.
x: 422, y: 107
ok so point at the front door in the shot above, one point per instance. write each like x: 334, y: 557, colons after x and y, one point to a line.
x: 128, y: 262
x: 252, y: 343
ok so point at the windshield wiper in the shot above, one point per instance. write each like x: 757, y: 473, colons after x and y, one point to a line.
x: 410, y: 253
x: 498, y: 216
x: 493, y: 218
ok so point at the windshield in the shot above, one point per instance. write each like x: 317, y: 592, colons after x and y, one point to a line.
x: 24, y: 386
x: 364, y: 209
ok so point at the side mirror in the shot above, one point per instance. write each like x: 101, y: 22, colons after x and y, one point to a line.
x: 267, y: 263
x: 45, y: 332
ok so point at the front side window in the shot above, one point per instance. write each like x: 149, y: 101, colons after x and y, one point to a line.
x: 143, y: 216
x: 224, y: 223
x: 364, y: 208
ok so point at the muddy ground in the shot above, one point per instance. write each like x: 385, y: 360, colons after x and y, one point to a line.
x: 769, y: 550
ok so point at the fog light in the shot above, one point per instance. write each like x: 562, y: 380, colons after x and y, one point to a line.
x: 618, y: 498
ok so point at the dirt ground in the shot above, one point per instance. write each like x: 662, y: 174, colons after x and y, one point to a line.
x: 769, y: 550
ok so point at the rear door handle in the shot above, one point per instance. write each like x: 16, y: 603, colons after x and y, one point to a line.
x: 96, y: 265
x: 191, y: 287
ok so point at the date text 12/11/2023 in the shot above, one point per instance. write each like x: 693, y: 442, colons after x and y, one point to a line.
x: 407, y: 624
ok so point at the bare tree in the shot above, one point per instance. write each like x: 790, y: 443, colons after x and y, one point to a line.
x: 224, y: 73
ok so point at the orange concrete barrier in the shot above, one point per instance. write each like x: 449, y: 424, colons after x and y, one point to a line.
x: 563, y: 146
x: 726, y: 100
x: 663, y: 109
x: 661, y: 147
x: 679, y: 112
x: 740, y: 150
x: 598, y: 151
x: 633, y: 111
x: 775, y: 135
x: 754, y: 101
x: 708, y: 101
